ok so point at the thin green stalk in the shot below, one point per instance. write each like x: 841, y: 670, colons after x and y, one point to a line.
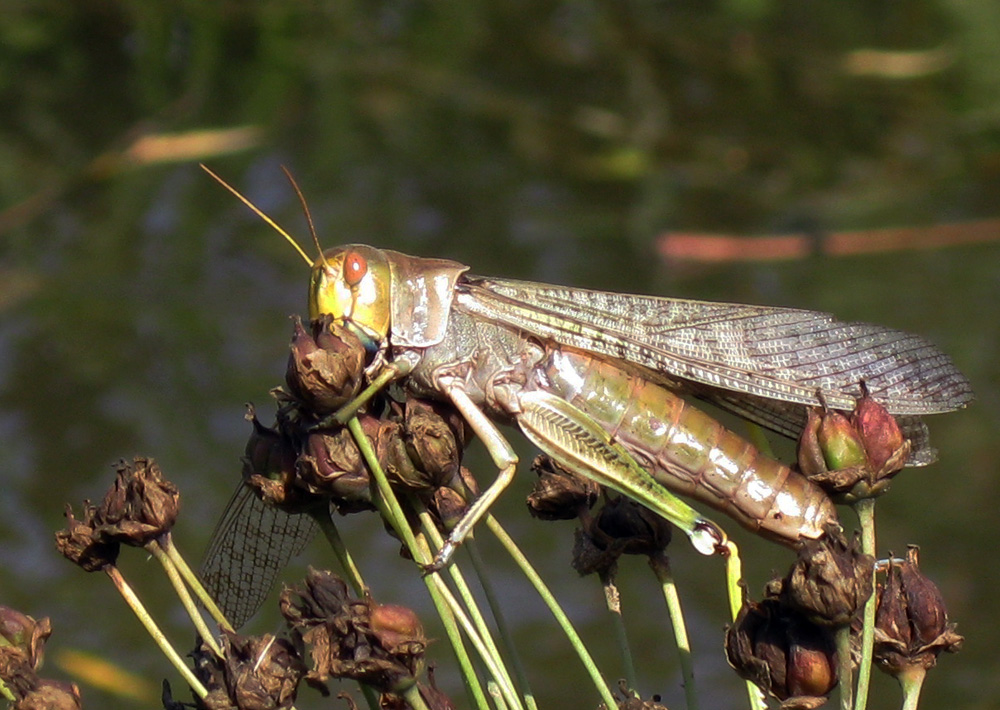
x: 866, y: 515
x: 564, y: 623
x: 661, y: 568
x: 912, y: 681
x: 321, y: 514
x: 734, y: 576
x: 394, y: 514
x: 613, y: 602
x: 5, y: 692
x: 845, y: 671
x: 167, y: 543
x: 177, y: 581
x: 414, y: 699
x: 130, y: 597
x: 505, y: 635
x: 486, y: 650
x: 470, y: 605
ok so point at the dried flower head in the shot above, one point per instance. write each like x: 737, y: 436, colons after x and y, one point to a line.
x: 382, y: 646
x: 783, y: 653
x: 911, y: 624
x: 141, y: 504
x: 326, y: 366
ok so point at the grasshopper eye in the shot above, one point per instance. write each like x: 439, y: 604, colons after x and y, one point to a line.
x: 355, y: 268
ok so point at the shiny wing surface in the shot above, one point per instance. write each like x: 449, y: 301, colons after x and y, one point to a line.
x: 761, y: 362
x: 251, y: 544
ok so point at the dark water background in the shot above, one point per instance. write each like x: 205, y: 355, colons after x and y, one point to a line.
x: 142, y: 306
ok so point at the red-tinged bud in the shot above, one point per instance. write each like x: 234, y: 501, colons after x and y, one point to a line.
x: 397, y: 628
x: 884, y: 442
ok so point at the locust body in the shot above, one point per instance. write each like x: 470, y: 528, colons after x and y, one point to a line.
x: 595, y: 380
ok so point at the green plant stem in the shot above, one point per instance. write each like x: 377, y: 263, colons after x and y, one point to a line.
x: 734, y: 577
x: 845, y: 681
x: 5, y: 692
x: 866, y: 515
x: 613, y: 602
x: 391, y: 510
x: 564, y: 623
x: 321, y: 514
x: 486, y: 649
x: 414, y: 699
x: 177, y: 581
x: 506, y: 637
x: 154, y: 631
x: 471, y: 607
x: 167, y: 543
x: 660, y: 564
x: 912, y: 680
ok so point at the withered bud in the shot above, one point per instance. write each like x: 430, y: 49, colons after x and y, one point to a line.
x: 559, y: 494
x: 325, y: 367
x: 267, y: 453
x: 447, y: 506
x: 911, y: 623
x: 82, y: 544
x: 261, y: 671
x: 343, y: 639
x: 783, y: 653
x: 633, y: 528
x: 51, y: 695
x: 435, y: 436
x: 830, y: 580
x: 21, y: 631
x: 140, y: 506
x: 332, y: 464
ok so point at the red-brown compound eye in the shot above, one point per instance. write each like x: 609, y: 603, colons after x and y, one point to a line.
x: 355, y: 268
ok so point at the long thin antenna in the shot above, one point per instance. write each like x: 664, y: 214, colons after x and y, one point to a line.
x: 260, y: 214
x: 305, y: 208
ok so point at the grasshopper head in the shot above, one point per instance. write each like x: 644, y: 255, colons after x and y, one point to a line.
x: 353, y: 284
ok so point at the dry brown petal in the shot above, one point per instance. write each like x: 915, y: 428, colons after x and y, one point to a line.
x: 80, y: 543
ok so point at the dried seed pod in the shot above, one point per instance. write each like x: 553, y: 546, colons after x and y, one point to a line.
x: 559, y: 494
x: 353, y: 638
x: 911, y: 624
x: 140, y: 506
x: 325, y: 366
x: 783, y: 653
x: 830, y: 580
x: 331, y: 464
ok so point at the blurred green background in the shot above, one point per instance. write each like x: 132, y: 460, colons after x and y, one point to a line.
x: 142, y: 305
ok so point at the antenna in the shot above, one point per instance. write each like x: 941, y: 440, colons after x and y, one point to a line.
x: 263, y: 216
